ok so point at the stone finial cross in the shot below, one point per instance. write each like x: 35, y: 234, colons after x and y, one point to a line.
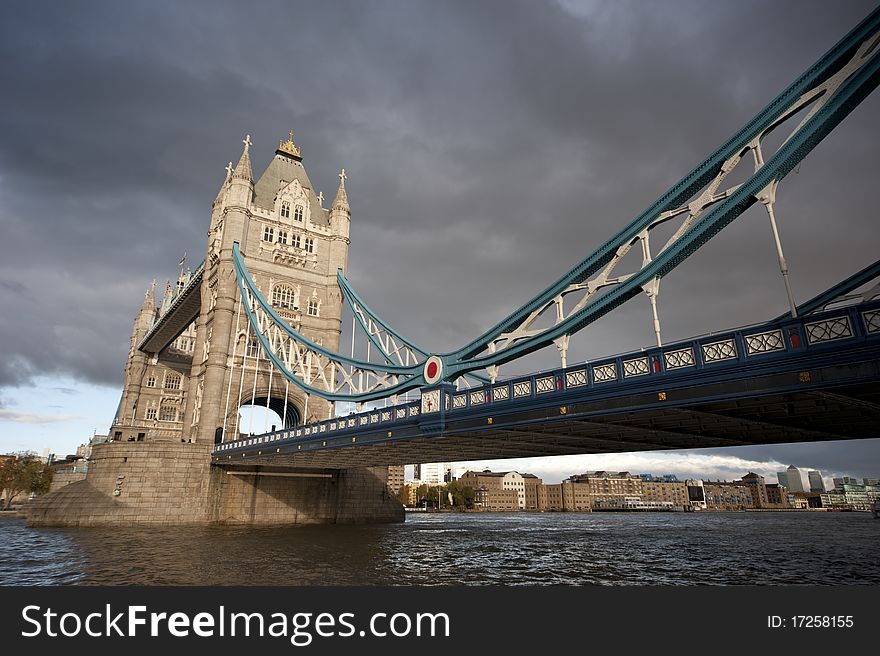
x: 247, y: 142
x: 229, y: 170
x: 342, y: 176
x: 321, y: 198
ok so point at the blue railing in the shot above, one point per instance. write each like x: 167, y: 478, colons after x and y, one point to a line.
x: 769, y: 342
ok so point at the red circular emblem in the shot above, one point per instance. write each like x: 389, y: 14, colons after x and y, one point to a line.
x: 431, y: 370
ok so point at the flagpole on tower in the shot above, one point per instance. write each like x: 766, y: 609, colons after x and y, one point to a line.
x: 182, y: 263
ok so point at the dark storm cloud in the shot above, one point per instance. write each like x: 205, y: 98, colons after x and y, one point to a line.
x: 490, y: 146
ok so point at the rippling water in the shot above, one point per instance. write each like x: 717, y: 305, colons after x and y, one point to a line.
x: 451, y: 549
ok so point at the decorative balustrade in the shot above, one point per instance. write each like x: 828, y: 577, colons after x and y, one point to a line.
x: 711, y: 353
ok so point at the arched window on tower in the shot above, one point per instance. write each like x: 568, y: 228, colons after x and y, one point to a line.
x: 314, y: 306
x: 298, y: 213
x: 168, y: 413
x: 284, y: 296
x: 285, y: 210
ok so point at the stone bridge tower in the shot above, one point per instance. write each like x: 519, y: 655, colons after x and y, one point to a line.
x: 192, y: 364
x: 192, y: 387
x: 293, y: 247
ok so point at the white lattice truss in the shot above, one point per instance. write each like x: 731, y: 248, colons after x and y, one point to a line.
x: 393, y: 348
x: 296, y: 358
x: 688, y: 214
x: 395, y: 352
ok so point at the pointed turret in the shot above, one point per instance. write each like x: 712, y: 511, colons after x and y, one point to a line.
x: 149, y: 304
x: 243, y: 169
x: 167, y: 299
x: 223, y: 187
x: 340, y: 223
x: 341, y: 200
x: 145, y: 317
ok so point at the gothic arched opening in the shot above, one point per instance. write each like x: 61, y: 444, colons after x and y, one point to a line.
x: 256, y: 416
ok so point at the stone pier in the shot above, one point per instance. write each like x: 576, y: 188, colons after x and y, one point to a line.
x: 168, y: 483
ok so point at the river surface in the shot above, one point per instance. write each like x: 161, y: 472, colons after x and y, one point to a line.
x: 455, y: 549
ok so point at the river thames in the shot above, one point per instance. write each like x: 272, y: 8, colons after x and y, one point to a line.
x: 461, y: 549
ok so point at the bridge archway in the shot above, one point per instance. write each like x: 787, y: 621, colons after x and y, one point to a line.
x: 257, y: 416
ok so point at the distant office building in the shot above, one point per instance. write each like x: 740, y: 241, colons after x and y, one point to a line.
x: 696, y: 494
x: 433, y: 473
x: 782, y: 479
x: 665, y: 478
x: 845, y: 480
x: 816, y: 482
x: 794, y: 480
x: 852, y: 495
x: 395, y: 477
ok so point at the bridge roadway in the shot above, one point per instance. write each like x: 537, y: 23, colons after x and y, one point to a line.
x: 806, y: 379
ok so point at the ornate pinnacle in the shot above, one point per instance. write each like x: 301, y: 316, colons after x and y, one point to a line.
x: 289, y: 147
x: 243, y: 170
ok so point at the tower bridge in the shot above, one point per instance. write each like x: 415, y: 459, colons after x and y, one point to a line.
x: 259, y: 323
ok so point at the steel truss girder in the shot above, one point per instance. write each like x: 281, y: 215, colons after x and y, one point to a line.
x: 836, y: 84
x: 842, y: 292
x: 395, y: 348
x: 310, y: 366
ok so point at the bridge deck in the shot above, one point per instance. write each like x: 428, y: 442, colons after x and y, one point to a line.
x: 807, y: 379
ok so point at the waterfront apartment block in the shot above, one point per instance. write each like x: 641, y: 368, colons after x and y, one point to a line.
x: 725, y: 495
x: 607, y: 491
x: 550, y: 496
x: 503, y: 490
x: 674, y: 493
x: 582, y: 491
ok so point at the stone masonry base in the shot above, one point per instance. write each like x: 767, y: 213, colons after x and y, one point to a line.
x: 166, y: 483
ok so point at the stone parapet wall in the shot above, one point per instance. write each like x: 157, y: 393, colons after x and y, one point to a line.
x: 60, y: 479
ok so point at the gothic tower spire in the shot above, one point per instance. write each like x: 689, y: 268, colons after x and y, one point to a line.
x: 340, y: 224
x: 341, y: 200
x: 243, y: 170
x: 149, y: 304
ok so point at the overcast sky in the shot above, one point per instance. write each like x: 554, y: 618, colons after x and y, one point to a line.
x: 489, y: 147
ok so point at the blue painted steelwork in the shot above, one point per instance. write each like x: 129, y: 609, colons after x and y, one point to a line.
x: 355, y: 301
x: 855, y: 55
x: 800, y: 343
x: 845, y: 100
x: 856, y: 280
x: 248, y: 288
